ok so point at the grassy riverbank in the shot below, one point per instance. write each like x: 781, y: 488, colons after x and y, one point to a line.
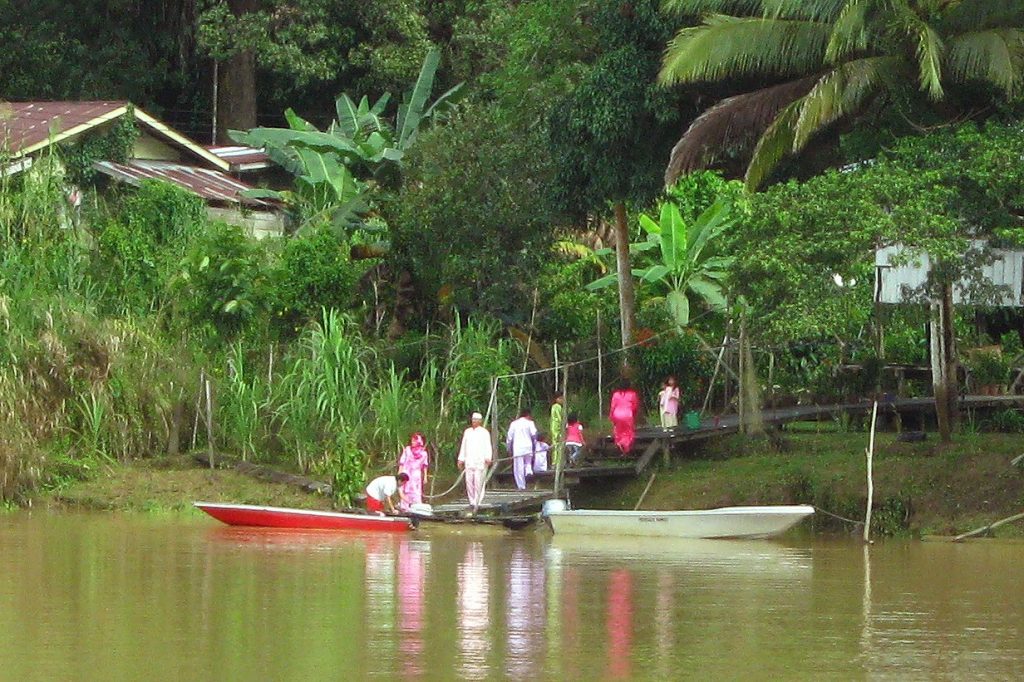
x: 172, y: 484
x: 920, y: 488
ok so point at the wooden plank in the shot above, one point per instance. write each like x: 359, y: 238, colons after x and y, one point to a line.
x: 648, y: 455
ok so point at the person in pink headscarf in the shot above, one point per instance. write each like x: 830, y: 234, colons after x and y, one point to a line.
x: 414, y: 462
x: 625, y: 404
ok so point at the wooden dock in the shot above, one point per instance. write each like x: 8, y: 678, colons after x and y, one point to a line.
x: 603, y: 461
x: 499, y: 502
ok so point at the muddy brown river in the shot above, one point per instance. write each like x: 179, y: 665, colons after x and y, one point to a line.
x: 109, y: 597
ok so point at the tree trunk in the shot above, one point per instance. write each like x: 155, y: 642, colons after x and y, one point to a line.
x: 622, y: 265
x: 236, y: 84
x: 949, y: 373
x: 943, y: 351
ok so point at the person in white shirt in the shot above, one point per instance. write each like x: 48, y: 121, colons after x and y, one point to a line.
x: 381, y: 490
x: 475, y: 455
x: 521, y: 444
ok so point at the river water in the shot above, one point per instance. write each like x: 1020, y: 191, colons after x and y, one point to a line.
x: 108, y: 597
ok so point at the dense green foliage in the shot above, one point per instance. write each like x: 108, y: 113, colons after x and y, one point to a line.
x: 438, y: 248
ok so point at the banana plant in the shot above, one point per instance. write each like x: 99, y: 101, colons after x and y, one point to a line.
x: 334, y: 168
x: 688, y: 267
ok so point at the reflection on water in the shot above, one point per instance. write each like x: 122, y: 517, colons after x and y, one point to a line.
x: 619, y: 623
x: 412, y: 576
x: 474, y: 609
x: 128, y: 598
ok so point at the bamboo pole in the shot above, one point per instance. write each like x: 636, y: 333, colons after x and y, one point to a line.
x: 989, y: 527
x: 714, y: 374
x: 526, y: 355
x: 209, y: 422
x: 871, y: 484
x: 492, y: 414
x: 644, y: 493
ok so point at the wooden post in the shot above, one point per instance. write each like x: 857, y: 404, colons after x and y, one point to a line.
x: 216, y: 78
x: 949, y: 359
x: 943, y: 363
x: 600, y: 386
x: 209, y: 422
x: 871, y: 483
x: 199, y: 407
x: 492, y: 413
x: 741, y: 403
x: 556, y: 365
x: 559, y: 449
x: 270, y: 367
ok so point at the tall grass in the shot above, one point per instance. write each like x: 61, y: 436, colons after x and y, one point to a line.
x: 240, y: 410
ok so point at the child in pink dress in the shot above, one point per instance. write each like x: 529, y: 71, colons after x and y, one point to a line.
x: 668, y: 399
x: 574, y: 439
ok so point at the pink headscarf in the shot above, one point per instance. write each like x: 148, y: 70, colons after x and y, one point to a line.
x: 416, y: 450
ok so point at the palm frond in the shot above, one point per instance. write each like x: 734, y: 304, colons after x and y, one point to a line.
x: 772, y: 147
x: 733, y: 122
x: 840, y: 93
x: 978, y: 15
x: 928, y: 48
x: 995, y: 56
x: 697, y: 8
x: 725, y: 47
x: 815, y: 10
x: 850, y: 30
x: 812, y: 10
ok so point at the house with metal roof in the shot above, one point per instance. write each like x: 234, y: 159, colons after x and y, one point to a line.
x: 28, y: 129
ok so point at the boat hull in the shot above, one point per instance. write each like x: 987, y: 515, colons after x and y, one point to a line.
x: 727, y: 522
x: 281, y: 517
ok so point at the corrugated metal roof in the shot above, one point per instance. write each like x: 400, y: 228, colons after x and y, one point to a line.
x: 241, y: 157
x: 24, y: 125
x: 211, y: 185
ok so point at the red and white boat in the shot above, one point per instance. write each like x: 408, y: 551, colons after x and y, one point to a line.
x: 282, y: 517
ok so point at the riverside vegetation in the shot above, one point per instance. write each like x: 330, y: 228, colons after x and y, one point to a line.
x: 451, y: 237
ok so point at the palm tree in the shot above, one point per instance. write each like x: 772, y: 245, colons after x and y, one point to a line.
x: 829, y: 59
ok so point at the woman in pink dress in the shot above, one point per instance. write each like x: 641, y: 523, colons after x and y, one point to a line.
x: 414, y: 462
x: 625, y: 404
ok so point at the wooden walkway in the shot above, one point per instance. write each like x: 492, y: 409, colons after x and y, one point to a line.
x: 602, y: 459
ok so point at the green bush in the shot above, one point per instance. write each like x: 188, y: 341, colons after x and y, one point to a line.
x: 569, y: 312
x: 314, y: 273
x: 220, y: 282
x: 1006, y: 421
x: 676, y: 355
x: 142, y: 242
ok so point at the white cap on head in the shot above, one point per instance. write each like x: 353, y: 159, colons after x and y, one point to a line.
x: 477, y: 416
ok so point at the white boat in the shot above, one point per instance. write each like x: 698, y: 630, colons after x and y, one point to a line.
x: 726, y: 522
